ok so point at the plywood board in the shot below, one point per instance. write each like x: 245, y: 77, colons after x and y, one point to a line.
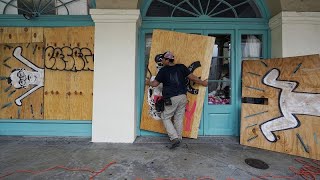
x: 195, y: 51
x: 23, y: 65
x: 289, y: 121
x: 69, y: 72
x: 20, y: 34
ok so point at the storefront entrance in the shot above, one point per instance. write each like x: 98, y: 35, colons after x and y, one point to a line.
x: 241, y: 31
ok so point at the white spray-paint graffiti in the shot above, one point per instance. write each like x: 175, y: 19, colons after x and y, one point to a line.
x: 155, y: 93
x: 290, y: 104
x: 22, y: 78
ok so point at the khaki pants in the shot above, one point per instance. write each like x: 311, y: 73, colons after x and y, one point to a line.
x: 177, y: 110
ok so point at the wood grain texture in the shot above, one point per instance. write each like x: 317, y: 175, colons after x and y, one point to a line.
x: 69, y: 73
x: 187, y: 48
x: 305, y: 70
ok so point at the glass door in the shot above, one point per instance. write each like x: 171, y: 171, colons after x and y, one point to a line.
x: 219, y: 104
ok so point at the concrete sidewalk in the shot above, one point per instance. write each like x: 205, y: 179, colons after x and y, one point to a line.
x: 219, y: 158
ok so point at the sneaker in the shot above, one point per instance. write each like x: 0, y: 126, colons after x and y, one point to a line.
x: 175, y: 143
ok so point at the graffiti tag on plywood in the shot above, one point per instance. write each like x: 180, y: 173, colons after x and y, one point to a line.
x: 280, y: 107
x: 69, y: 59
x: 291, y: 103
x: 23, y: 73
x: 22, y: 78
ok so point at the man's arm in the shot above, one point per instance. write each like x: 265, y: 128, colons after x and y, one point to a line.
x: 197, y: 80
x: 153, y: 83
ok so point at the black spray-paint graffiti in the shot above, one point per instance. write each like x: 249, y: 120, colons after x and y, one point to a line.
x: 69, y: 59
x: 291, y: 103
x: 155, y: 93
x: 191, y: 68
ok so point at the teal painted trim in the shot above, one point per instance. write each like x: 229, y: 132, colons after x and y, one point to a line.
x: 93, y: 4
x: 46, y: 21
x: 199, y: 20
x: 140, y: 79
x: 269, y: 44
x: 149, y: 133
x: 145, y: 7
x: 213, y: 26
x: 265, y: 12
x: 45, y: 128
x: 238, y: 83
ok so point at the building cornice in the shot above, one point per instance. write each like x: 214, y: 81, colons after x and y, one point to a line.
x: 115, y: 15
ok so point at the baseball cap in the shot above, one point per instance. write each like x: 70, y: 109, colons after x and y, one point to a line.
x: 168, y: 55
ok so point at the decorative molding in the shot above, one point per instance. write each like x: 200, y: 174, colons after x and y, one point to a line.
x: 275, y: 21
x: 310, y: 18
x: 115, y: 15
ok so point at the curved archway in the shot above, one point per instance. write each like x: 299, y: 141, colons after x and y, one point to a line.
x: 205, y: 9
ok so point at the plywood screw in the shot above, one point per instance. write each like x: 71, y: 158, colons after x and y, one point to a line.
x: 69, y: 93
x: 26, y: 29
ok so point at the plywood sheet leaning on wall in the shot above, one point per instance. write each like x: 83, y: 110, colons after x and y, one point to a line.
x: 22, y: 77
x: 195, y: 51
x: 281, y: 105
x: 69, y: 73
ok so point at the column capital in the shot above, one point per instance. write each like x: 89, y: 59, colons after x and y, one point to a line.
x: 295, y: 18
x: 115, y: 15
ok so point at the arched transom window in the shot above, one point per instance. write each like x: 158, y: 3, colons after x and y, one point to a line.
x: 204, y: 8
x: 45, y: 7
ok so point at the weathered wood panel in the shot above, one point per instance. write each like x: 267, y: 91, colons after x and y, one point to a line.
x: 16, y: 35
x: 187, y: 49
x: 69, y: 75
x: 290, y: 121
x: 31, y: 106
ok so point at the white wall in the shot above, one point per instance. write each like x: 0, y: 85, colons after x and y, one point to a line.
x: 295, y: 34
x: 114, y: 116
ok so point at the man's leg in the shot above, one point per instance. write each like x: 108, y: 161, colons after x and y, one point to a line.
x: 179, y: 114
x: 167, y: 115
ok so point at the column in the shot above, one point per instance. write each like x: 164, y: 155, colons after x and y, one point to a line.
x: 116, y: 36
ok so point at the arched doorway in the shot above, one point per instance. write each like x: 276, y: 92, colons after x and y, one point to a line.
x: 242, y: 32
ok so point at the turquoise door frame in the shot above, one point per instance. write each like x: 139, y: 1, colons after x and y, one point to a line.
x: 233, y: 26
x: 219, y: 119
x: 31, y: 127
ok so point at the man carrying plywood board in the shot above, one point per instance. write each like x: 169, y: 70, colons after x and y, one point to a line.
x: 183, y: 58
